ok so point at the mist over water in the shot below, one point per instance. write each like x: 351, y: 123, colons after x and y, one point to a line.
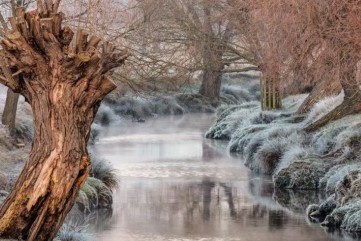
x: 176, y: 185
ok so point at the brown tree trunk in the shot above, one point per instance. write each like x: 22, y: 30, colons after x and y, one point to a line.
x: 212, y: 70
x: 211, y: 84
x: 64, y: 86
x: 270, y: 92
x: 352, y: 100
x: 348, y: 107
x: 9, y: 113
x: 57, y: 167
x: 327, y: 80
x: 270, y: 95
x: 322, y: 89
x: 212, y: 52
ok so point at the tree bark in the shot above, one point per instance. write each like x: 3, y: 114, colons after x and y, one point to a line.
x: 9, y: 113
x: 212, y: 70
x: 212, y: 53
x: 352, y: 100
x: 64, y: 86
x: 322, y: 89
x: 211, y: 84
x: 270, y: 91
x: 348, y: 107
x: 57, y: 167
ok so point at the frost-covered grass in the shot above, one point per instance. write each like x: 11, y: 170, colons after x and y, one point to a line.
x: 323, y: 107
x: 231, y: 119
x: 260, y: 136
x: 335, y: 175
x: 271, y: 141
x: 97, y: 192
x: 102, y: 170
x: 73, y: 231
x: 275, y: 143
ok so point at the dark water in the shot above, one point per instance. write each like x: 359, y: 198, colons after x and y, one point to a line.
x: 175, y: 185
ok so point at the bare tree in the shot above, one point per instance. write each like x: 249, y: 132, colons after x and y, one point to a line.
x: 181, y: 40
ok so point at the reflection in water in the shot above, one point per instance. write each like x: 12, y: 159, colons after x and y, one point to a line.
x: 174, y: 185
x: 298, y: 201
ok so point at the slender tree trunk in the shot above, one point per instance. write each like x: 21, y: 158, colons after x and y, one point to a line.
x: 9, y: 113
x: 270, y: 94
x: 64, y: 86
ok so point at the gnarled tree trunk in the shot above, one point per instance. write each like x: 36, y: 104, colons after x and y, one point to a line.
x: 64, y: 87
x: 328, y: 81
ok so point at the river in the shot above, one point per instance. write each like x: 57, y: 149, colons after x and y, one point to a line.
x: 176, y: 185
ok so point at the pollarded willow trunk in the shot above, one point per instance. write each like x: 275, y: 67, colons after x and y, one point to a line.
x: 64, y: 86
x: 57, y: 167
x: 212, y: 53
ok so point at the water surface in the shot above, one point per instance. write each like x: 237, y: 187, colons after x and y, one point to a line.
x: 175, y: 185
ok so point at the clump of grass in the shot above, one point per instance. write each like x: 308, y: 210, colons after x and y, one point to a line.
x: 102, y: 170
x: 73, y: 231
x: 97, y: 191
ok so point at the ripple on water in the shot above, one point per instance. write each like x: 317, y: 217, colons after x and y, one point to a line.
x: 182, y: 169
x: 131, y: 237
